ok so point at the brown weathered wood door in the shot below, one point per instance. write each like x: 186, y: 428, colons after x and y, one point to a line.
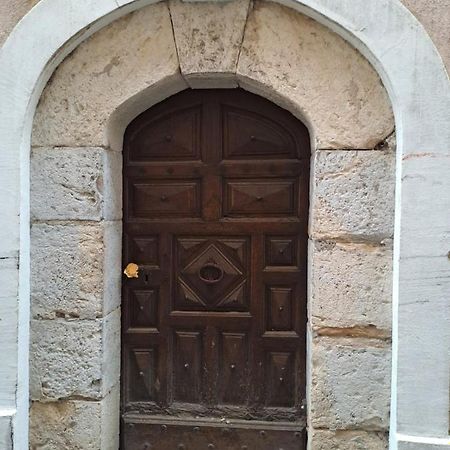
x: 215, y: 217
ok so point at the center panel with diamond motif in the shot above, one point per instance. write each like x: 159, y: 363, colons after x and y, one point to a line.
x: 211, y: 273
x: 213, y: 327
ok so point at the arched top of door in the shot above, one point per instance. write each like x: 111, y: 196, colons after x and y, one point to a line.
x: 247, y: 127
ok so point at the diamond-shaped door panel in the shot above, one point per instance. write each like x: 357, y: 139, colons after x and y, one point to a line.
x: 212, y: 273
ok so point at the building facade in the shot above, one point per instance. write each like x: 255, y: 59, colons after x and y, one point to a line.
x: 348, y: 107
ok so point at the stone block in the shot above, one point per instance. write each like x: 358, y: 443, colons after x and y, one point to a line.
x: 75, y: 184
x: 322, y: 78
x: 350, y: 384
x: 348, y: 440
x: 75, y: 424
x: 351, y: 286
x: 74, y: 358
x: 353, y: 195
x: 75, y: 269
x: 208, y: 38
x: 113, y: 65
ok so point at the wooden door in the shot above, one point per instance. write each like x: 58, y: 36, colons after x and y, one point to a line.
x: 215, y: 217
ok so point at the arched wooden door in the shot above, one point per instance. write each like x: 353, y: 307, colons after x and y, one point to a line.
x: 215, y: 217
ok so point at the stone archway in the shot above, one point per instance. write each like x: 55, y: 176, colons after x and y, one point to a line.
x: 76, y: 162
x: 409, y: 123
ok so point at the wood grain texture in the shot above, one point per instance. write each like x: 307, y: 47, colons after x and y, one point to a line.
x: 215, y: 324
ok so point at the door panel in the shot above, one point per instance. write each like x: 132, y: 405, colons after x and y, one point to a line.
x: 188, y: 363
x: 142, y: 364
x: 233, y: 369
x: 215, y: 216
x: 165, y: 199
x: 260, y: 198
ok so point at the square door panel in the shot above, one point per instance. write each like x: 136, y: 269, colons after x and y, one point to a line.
x: 142, y: 249
x: 211, y: 273
x: 142, y: 309
x: 281, y: 251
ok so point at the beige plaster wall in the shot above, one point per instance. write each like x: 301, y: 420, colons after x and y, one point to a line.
x: 434, y: 15
x: 11, y: 11
x: 76, y: 207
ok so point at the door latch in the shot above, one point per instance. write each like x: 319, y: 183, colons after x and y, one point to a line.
x: 132, y: 270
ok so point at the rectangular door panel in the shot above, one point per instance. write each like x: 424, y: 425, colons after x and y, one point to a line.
x: 155, y: 198
x: 279, y: 311
x: 260, y: 197
x: 280, y: 382
x: 233, y: 371
x: 187, y: 366
x: 141, y: 373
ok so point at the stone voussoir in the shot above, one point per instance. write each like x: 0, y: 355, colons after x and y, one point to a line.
x: 330, y: 83
x: 350, y: 384
x: 208, y: 38
x: 110, y: 67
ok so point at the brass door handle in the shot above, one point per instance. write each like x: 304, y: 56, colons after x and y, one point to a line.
x: 132, y: 270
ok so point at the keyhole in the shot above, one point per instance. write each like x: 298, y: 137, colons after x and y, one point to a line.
x: 146, y: 278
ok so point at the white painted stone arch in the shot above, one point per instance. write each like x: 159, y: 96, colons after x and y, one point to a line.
x: 411, y: 69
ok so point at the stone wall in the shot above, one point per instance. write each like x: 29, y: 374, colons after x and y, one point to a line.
x: 433, y: 14
x: 76, y: 208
